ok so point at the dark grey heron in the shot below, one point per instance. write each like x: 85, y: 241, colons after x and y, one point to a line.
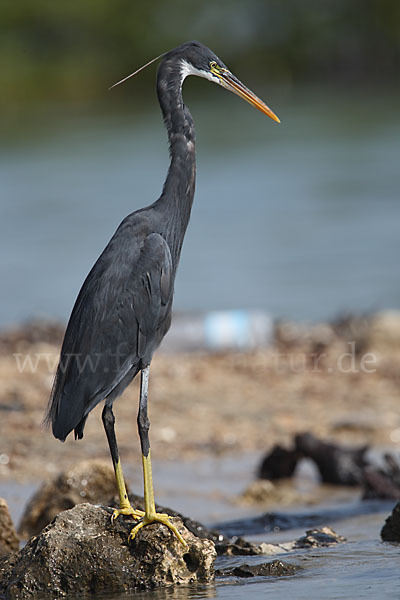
x: 123, y: 309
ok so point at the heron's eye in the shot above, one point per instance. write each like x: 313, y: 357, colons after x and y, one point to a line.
x: 213, y: 64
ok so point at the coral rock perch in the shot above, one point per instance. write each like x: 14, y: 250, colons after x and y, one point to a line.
x: 82, y: 552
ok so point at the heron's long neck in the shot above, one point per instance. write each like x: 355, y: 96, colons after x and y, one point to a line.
x: 177, y: 196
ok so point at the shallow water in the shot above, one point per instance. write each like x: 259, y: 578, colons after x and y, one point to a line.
x: 300, y: 219
x: 363, y: 567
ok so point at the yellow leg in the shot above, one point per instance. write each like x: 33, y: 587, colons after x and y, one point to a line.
x: 125, y: 507
x: 150, y: 515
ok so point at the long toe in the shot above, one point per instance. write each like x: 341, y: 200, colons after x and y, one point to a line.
x: 157, y: 518
x: 127, y: 510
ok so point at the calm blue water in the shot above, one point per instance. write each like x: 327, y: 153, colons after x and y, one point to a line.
x: 300, y: 219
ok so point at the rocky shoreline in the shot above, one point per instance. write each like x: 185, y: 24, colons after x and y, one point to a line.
x: 338, y: 381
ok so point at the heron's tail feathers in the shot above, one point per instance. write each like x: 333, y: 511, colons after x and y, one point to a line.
x: 65, y: 410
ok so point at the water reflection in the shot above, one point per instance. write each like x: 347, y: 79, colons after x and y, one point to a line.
x: 195, y: 591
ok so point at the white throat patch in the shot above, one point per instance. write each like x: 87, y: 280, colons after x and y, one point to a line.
x: 188, y: 69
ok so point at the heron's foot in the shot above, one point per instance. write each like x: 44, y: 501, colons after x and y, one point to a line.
x: 127, y: 509
x: 157, y: 518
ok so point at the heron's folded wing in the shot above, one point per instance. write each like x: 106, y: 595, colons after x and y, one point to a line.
x: 120, y: 316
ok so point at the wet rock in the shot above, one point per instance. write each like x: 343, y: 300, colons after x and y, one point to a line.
x: 382, y: 483
x: 272, y: 549
x: 337, y: 465
x: 86, y: 481
x: 238, y: 547
x: 258, y: 491
x: 324, y: 536
x: 9, y: 541
x: 263, y: 491
x: 276, y: 568
x: 82, y: 552
x: 391, y: 530
x: 279, y: 463
x: 315, y: 538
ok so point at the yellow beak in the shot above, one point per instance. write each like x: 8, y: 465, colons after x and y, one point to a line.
x: 231, y: 83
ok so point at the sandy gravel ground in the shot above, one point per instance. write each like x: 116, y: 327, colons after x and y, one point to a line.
x: 339, y: 381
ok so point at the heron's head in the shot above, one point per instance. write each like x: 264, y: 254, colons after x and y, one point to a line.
x: 196, y: 59
x: 193, y: 58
